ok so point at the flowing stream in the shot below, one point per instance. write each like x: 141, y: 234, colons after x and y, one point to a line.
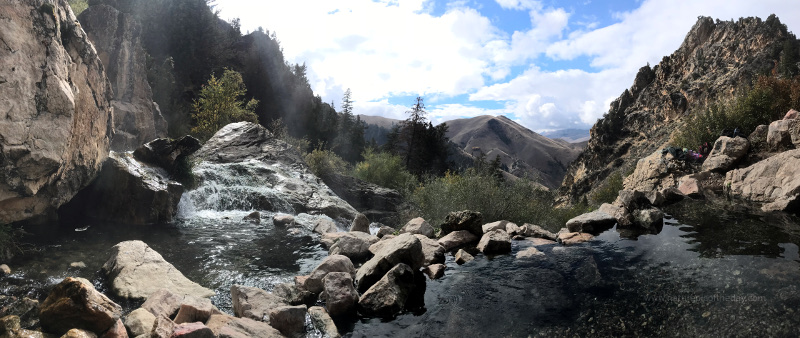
x: 711, y: 271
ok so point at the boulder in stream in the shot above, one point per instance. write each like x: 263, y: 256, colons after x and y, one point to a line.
x: 74, y: 303
x: 332, y: 263
x: 339, y: 295
x: 388, y: 296
x: 418, y: 226
x: 468, y: 220
x: 323, y: 322
x: 405, y: 248
x: 254, y: 303
x: 495, y: 241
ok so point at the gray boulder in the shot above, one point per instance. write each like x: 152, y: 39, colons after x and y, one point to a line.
x: 594, y: 222
x: 384, y: 230
x: 340, y: 296
x: 332, y: 263
x: 535, y: 231
x: 139, y: 322
x: 360, y: 223
x: 502, y: 225
x: 323, y: 322
x: 57, y: 115
x: 355, y: 248
x: 782, y: 133
x: 330, y: 238
x: 254, y: 303
x: 405, y: 248
x: 388, y: 296
x: 418, y: 226
x: 774, y: 182
x: 289, y: 320
x: 471, y: 221
x: 433, y: 251
x: 136, y: 271
x: 324, y: 225
x: 726, y: 152
x: 73, y: 303
x: 463, y: 256
x: 167, y: 153
x: 457, y: 239
x: 496, y: 241
x: 435, y: 271
x: 225, y: 326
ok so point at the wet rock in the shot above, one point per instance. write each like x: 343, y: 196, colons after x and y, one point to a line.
x: 57, y: 115
x: 530, y: 253
x: 388, y: 296
x: 532, y: 230
x: 405, y: 248
x: 333, y: 263
x: 254, y: 217
x: 139, y: 322
x: 774, y: 182
x: 672, y: 195
x: 339, y: 295
x: 502, y: 225
x: 129, y: 192
x: 463, y: 257
x: 254, y: 303
x: 324, y: 225
x: 225, y: 326
x: 162, y: 328
x: 294, y: 293
x: 289, y: 320
x: 594, y: 222
x: 4, y: 270
x: 192, y: 330
x: 283, y: 220
x: 384, y: 230
x: 471, y: 221
x: 167, y: 153
x: 435, y: 271
x: 457, y: 239
x: 75, y: 304
x: 360, y: 223
x: 27, y: 309
x: 323, y: 322
x: 433, y: 251
x: 651, y: 219
x: 418, y: 226
x: 116, y: 331
x: 495, y: 242
x: 76, y: 333
x: 136, y: 271
x: 276, y: 164
x: 195, y: 310
x: 726, y: 152
x: 569, y: 238
x: 355, y: 248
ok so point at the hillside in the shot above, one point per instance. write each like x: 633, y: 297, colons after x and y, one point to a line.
x: 716, y: 59
x: 521, y: 150
x: 569, y: 135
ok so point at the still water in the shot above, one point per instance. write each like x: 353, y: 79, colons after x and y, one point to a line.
x: 712, y: 271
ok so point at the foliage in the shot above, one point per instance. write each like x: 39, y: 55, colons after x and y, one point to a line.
x: 386, y: 170
x: 9, y: 241
x: 78, y: 6
x: 608, y: 190
x: 768, y: 100
x: 280, y: 131
x: 349, y: 142
x: 220, y: 103
x: 324, y: 162
x: 422, y: 146
x: 790, y: 56
x: 520, y: 201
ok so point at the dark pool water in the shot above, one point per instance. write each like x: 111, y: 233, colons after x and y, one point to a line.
x: 712, y: 271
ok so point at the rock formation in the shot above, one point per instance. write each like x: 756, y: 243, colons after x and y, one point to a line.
x: 715, y: 59
x: 55, y: 123
x: 116, y: 36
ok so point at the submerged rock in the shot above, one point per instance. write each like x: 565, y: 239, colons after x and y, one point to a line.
x: 530, y: 253
x: 76, y: 304
x: 136, y: 271
x: 388, y: 296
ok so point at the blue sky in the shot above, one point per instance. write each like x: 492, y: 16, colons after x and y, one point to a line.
x: 546, y: 64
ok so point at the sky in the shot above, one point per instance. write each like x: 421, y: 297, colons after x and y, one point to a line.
x: 548, y: 64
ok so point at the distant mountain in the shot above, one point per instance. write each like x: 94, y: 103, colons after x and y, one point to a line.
x: 523, y: 151
x: 569, y: 135
x: 378, y: 127
x: 379, y: 121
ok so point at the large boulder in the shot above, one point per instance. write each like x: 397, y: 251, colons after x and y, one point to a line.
x: 250, y: 152
x: 254, y: 303
x: 783, y: 134
x: 360, y: 223
x: 418, y: 226
x: 774, y: 182
x: 656, y: 172
x: 389, y: 295
x: 333, y: 263
x: 330, y: 238
x: 457, y: 239
x: 117, y: 38
x: 405, y: 248
x: 225, y: 326
x: 139, y: 322
x: 496, y: 241
x: 56, y: 125
x: 433, y: 251
x: 355, y: 248
x: 536, y: 231
x: 502, y: 225
x: 74, y: 303
x: 167, y: 153
x: 135, y: 271
x: 339, y: 295
x: 289, y: 320
x: 323, y: 322
x: 128, y: 191
x: 726, y: 152
x: 593, y: 222
x: 471, y: 221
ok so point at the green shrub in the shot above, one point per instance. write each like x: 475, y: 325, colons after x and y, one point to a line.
x: 78, y: 6
x: 608, y: 190
x: 324, y: 162
x: 386, y: 170
x: 520, y: 201
x: 220, y: 103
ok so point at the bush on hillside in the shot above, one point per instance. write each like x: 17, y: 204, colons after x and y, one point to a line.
x: 221, y: 103
x: 768, y: 100
x: 386, y: 170
x: 608, y: 190
x: 78, y: 6
x: 323, y: 162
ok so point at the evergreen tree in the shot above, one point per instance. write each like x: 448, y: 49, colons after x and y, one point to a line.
x: 219, y: 103
x: 422, y: 146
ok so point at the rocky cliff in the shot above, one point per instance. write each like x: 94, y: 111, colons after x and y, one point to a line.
x: 55, y: 108
x: 715, y: 59
x: 117, y: 37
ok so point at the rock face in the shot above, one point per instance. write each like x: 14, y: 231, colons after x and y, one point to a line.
x: 774, y: 182
x: 405, y: 248
x: 726, y: 152
x: 714, y: 60
x: 129, y: 192
x: 116, y: 36
x: 56, y: 128
x: 378, y: 203
x: 76, y: 304
x: 471, y: 221
x: 389, y: 295
x: 136, y: 271
x: 250, y: 152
